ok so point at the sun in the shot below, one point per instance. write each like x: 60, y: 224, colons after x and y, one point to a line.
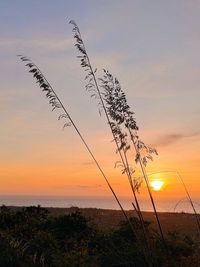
x: 156, y: 185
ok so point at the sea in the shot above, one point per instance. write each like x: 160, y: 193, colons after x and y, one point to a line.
x: 174, y: 205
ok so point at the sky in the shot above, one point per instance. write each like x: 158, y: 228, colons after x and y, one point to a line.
x: 152, y: 47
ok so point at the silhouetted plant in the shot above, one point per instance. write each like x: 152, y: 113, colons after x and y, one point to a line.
x: 56, y: 103
x: 93, y: 88
x: 121, y: 114
x: 119, y: 138
x: 189, y: 199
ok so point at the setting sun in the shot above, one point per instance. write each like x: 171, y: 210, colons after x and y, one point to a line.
x: 156, y: 185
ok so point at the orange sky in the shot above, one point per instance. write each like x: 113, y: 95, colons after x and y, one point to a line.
x: 65, y: 168
x: 157, y: 62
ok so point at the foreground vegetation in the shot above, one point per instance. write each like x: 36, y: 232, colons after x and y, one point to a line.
x: 32, y: 237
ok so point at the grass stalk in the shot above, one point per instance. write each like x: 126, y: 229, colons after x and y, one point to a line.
x: 120, y: 112
x: 143, y: 170
x: 56, y: 103
x: 94, y: 88
x: 189, y: 199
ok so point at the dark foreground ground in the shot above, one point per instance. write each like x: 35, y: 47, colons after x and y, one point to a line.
x: 105, y: 218
x: 183, y: 223
x: 73, y: 237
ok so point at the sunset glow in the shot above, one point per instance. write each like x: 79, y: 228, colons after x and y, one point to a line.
x: 154, y: 65
x: 156, y: 185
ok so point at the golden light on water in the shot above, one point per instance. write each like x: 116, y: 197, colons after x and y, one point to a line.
x: 156, y: 185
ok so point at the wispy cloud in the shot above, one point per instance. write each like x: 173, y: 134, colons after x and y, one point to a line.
x: 169, y: 139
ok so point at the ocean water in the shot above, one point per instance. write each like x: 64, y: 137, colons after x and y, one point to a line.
x: 175, y: 205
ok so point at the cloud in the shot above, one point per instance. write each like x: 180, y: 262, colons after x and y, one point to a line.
x: 172, y: 138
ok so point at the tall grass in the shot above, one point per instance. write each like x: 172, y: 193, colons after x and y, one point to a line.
x: 189, y: 199
x: 56, y: 103
x: 119, y: 137
x: 93, y: 87
x: 121, y: 114
x: 116, y: 114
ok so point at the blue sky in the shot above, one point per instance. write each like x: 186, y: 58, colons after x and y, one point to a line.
x: 151, y: 46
